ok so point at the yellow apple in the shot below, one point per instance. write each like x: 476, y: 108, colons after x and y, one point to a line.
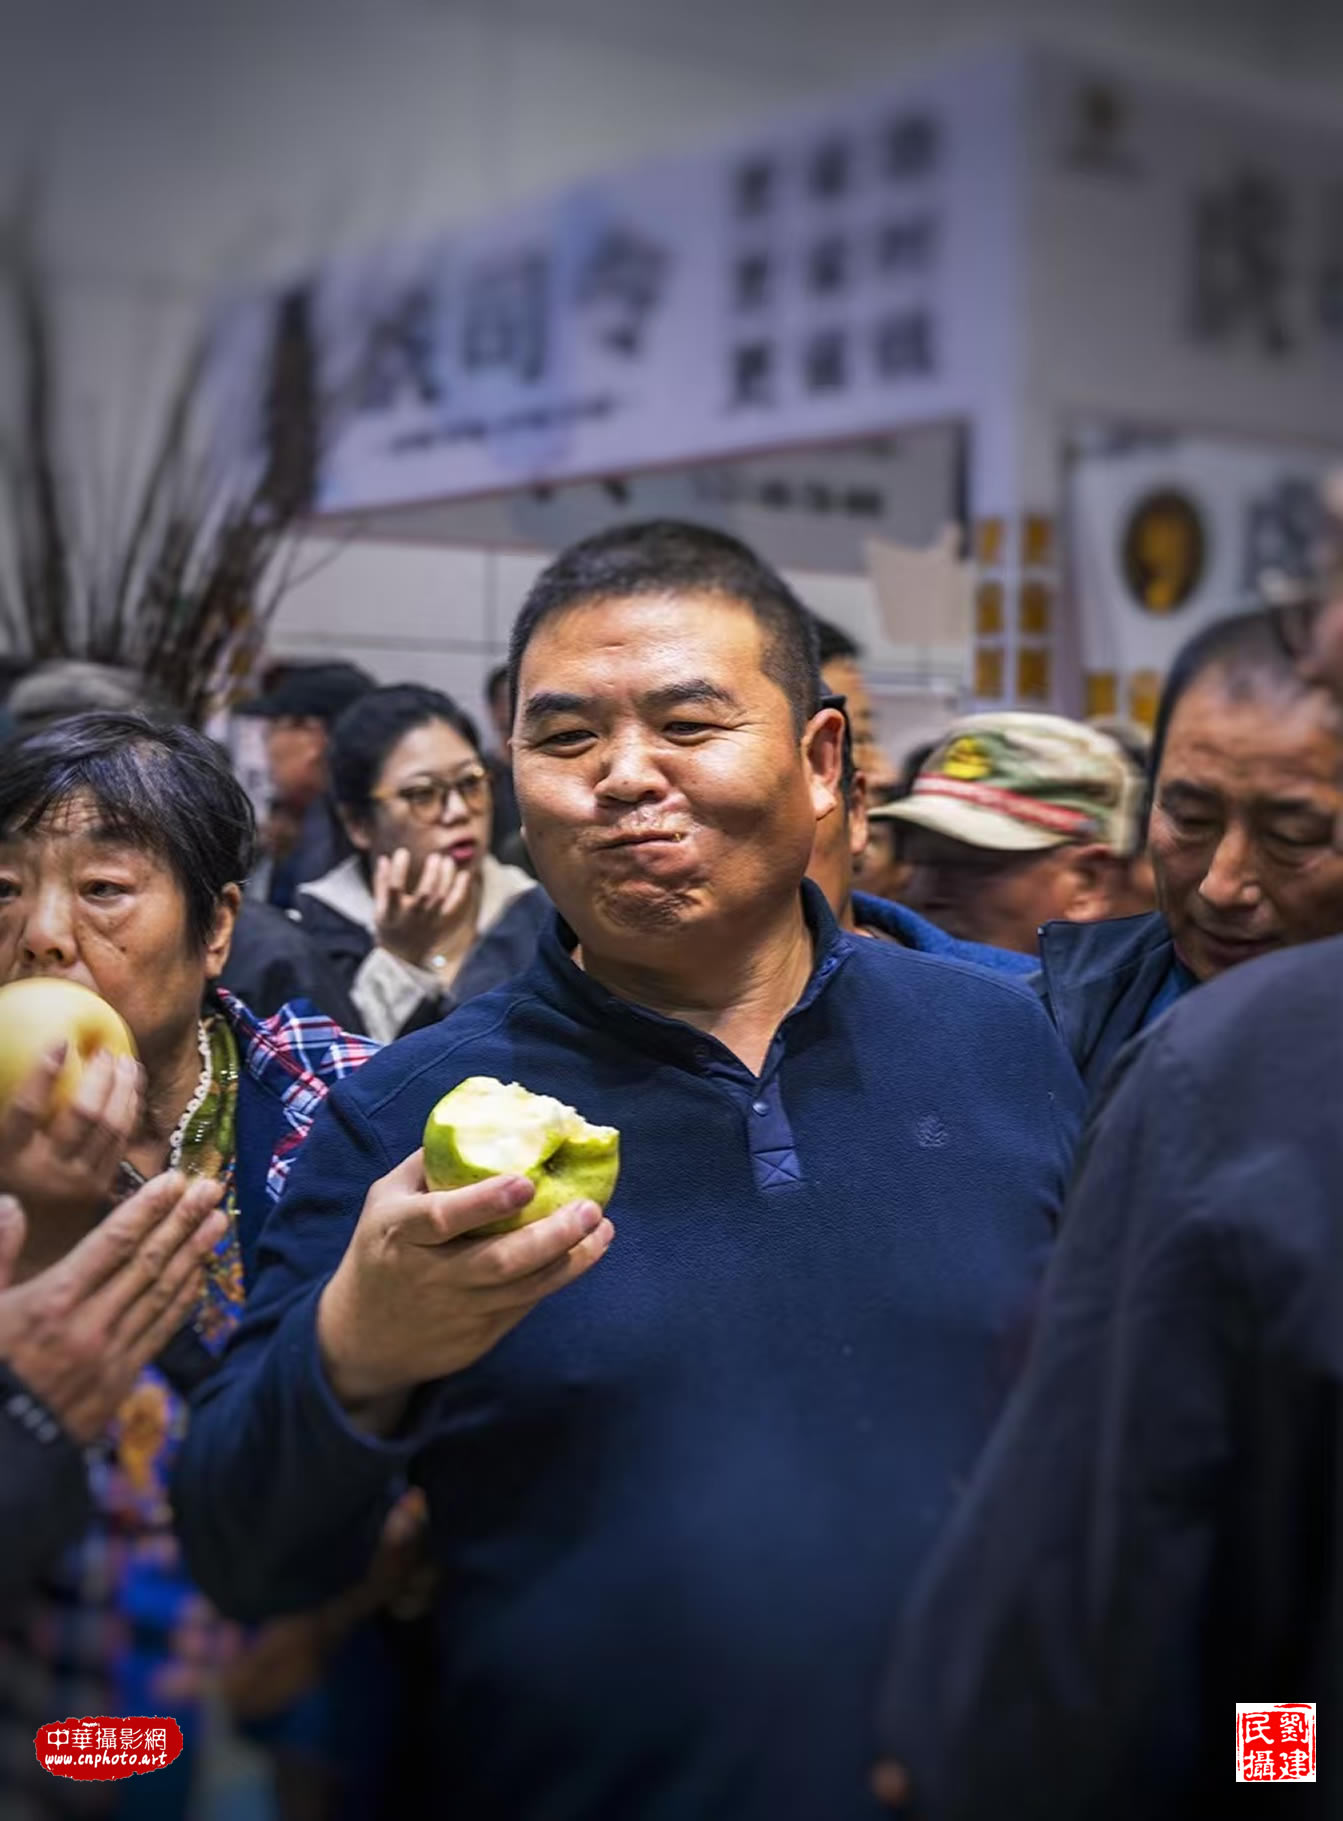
x: 38, y: 1013
x: 487, y: 1128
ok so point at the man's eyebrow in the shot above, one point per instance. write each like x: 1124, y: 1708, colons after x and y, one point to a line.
x: 1182, y: 787
x: 701, y: 690
x: 547, y: 702
x: 1294, y: 804
x: 694, y: 690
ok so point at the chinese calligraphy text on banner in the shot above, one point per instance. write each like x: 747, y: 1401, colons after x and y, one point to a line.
x: 816, y: 280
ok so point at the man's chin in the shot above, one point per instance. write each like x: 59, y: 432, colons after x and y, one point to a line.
x: 645, y: 908
x: 1208, y: 956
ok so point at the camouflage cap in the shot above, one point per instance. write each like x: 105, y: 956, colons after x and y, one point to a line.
x: 1024, y: 781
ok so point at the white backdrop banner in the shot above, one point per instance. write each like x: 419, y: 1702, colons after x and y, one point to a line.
x: 838, y: 273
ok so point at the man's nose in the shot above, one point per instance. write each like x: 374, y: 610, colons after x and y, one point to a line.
x: 631, y: 770
x: 1231, y: 881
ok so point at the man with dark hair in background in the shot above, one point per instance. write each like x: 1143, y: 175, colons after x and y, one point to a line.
x: 303, y: 834
x: 838, y: 866
x: 504, y: 843
x: 677, y: 1497
x: 882, y: 866
x: 841, y: 660
x: 1245, y: 795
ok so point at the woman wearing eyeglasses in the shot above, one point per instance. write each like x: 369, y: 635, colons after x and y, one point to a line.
x: 400, y: 916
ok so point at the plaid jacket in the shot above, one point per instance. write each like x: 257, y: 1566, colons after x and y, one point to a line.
x: 105, y: 1629
x: 289, y: 1063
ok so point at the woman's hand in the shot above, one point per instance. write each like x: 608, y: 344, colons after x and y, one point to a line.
x: 64, y: 1161
x: 436, y: 918
x: 78, y: 1333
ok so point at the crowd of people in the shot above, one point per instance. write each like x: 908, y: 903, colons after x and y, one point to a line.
x: 944, y: 1417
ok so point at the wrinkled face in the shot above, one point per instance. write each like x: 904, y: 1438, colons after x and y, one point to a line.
x: 415, y: 809
x: 666, y: 795
x: 81, y: 906
x: 296, y: 759
x: 1242, y: 824
x: 982, y: 895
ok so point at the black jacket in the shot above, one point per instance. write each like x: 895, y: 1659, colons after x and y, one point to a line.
x: 273, y: 962
x: 1103, y: 983
x: 505, y: 949
x: 44, y: 1490
x: 45, y: 1501
x: 1156, y: 1529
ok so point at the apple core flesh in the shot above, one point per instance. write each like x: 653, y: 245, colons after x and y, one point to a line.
x: 40, y: 1012
x: 487, y: 1128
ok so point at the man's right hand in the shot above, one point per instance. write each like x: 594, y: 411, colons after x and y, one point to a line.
x: 418, y: 1297
x: 78, y: 1333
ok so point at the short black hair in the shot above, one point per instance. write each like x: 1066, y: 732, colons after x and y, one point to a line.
x: 1249, y: 651
x: 667, y: 556
x: 833, y: 642
x: 165, y: 789
x: 363, y: 737
x: 495, y: 681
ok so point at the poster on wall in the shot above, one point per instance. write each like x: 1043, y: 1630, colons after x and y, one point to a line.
x: 1187, y: 266
x: 1168, y: 534
x: 824, y: 277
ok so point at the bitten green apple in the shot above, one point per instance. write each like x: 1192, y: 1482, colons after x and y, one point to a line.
x: 38, y: 1013
x: 487, y: 1128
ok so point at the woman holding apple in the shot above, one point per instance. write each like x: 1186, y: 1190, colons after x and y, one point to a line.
x: 124, y: 847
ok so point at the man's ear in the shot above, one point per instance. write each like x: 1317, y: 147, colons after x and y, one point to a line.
x: 220, y: 940
x: 1089, y: 884
x: 823, y: 751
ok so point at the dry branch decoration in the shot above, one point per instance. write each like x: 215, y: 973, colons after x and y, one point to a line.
x: 183, y: 587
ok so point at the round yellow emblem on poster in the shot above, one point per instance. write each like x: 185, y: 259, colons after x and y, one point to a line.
x: 1165, y: 551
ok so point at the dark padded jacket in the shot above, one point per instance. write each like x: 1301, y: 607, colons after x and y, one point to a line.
x: 1104, y: 983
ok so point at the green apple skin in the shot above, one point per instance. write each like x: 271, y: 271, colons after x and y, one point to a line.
x: 576, y: 1170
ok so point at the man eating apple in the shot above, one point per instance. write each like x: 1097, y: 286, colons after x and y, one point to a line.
x: 679, y: 1482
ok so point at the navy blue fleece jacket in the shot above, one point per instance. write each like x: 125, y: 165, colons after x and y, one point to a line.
x: 678, y: 1509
